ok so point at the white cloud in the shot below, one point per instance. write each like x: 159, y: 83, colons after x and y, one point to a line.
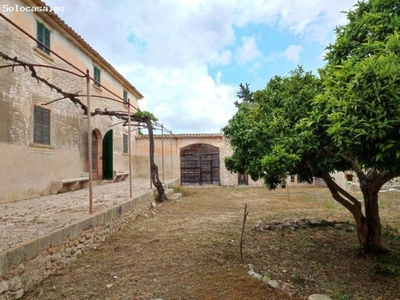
x: 296, y: 16
x: 248, y: 51
x: 292, y: 53
x: 166, y: 48
x: 184, y: 98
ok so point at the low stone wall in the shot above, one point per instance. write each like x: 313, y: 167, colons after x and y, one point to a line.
x: 392, y: 184
x: 26, y: 265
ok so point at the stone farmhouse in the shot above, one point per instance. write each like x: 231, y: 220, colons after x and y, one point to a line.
x: 44, y: 136
x: 41, y: 143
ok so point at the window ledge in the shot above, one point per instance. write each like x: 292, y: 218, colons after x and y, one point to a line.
x: 43, y: 55
x: 41, y: 147
x: 97, y: 88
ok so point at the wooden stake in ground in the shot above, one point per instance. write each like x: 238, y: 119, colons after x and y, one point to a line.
x: 241, y: 236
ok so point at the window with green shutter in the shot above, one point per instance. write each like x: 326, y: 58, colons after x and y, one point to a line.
x: 41, y: 130
x: 96, y: 72
x: 43, y: 36
x: 125, y: 143
x: 125, y: 96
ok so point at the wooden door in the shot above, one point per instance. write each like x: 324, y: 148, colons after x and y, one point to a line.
x: 108, y: 166
x: 200, y: 165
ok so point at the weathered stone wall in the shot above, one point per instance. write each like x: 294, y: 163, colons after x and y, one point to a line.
x: 354, y: 183
x: 26, y: 265
x: 393, y: 184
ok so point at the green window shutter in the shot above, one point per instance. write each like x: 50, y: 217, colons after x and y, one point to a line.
x: 125, y: 143
x: 41, y: 130
x: 43, y: 36
x: 39, y: 34
x: 46, y: 126
x: 96, y: 72
x: 125, y: 96
x: 46, y: 39
x: 37, y: 129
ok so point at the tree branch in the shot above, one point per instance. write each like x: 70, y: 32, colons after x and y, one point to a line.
x: 340, y: 195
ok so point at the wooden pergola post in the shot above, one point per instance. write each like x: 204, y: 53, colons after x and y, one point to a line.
x: 89, y: 141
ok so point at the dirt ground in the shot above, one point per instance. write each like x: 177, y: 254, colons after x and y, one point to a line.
x: 190, y: 249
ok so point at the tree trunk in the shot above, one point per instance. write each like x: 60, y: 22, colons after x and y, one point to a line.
x: 153, y: 167
x: 368, y: 226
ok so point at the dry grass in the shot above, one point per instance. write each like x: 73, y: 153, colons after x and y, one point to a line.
x: 190, y: 250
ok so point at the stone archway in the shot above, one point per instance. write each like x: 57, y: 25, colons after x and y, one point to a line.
x: 200, y: 165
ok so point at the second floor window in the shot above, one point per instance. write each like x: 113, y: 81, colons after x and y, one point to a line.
x: 43, y: 36
x: 41, y: 130
x: 125, y: 96
x: 96, y: 72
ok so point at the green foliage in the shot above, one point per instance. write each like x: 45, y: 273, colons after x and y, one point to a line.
x: 268, y: 136
x: 244, y: 94
x: 346, y: 119
x: 386, y: 265
x: 361, y: 102
x: 145, y: 115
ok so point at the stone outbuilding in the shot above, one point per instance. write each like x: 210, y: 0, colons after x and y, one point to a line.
x: 195, y: 158
x: 198, y: 159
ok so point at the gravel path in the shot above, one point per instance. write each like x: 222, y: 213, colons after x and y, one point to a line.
x: 26, y: 219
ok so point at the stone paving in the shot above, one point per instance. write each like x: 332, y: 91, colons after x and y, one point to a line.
x: 23, y: 220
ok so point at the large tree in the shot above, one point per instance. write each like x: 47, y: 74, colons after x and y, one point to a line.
x: 346, y: 119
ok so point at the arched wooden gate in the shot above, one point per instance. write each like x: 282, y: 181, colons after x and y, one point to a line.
x: 200, y: 165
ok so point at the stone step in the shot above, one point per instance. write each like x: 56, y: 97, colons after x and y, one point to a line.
x: 175, y: 196
x: 168, y: 192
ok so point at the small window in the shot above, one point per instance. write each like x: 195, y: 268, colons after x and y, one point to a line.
x: 125, y: 96
x: 43, y: 36
x: 96, y: 72
x: 41, y: 130
x: 125, y: 143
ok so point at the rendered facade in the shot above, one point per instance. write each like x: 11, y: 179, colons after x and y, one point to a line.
x: 40, y: 141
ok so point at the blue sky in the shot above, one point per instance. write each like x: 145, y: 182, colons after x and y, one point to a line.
x: 188, y: 57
